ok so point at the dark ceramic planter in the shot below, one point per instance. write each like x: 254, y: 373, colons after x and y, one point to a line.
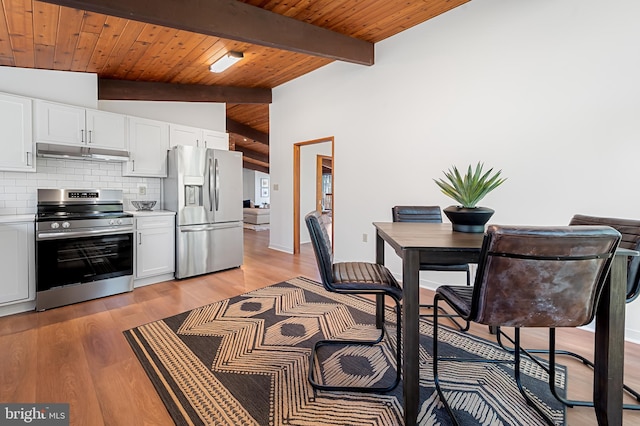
x: 468, y: 220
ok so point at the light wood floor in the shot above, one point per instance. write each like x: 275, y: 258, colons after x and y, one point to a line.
x: 77, y: 354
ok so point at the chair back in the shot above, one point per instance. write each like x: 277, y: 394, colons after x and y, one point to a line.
x: 429, y: 214
x: 630, y: 230
x: 321, y: 242
x: 542, y: 276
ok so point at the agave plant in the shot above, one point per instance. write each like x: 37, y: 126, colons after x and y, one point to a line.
x: 469, y: 189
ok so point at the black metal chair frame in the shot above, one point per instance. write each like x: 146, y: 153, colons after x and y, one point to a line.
x: 633, y: 290
x: 431, y: 214
x: 324, y: 259
x: 551, y: 369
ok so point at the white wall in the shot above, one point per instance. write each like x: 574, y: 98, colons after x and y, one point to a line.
x: 251, y: 181
x: 74, y: 88
x: 205, y: 115
x: 545, y: 90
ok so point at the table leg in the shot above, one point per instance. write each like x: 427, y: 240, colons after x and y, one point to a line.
x: 411, y: 335
x: 609, y: 346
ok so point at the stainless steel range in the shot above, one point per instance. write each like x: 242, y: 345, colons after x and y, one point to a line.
x: 84, y: 246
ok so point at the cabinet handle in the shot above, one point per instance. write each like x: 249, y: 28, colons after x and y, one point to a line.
x: 29, y: 158
x: 139, y: 238
x: 133, y: 165
x: 198, y: 143
x: 89, y: 136
x: 82, y: 135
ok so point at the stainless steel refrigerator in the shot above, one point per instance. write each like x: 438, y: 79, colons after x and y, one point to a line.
x: 204, y: 188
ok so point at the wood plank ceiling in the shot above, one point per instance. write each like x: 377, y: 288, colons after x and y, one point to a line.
x: 162, y: 51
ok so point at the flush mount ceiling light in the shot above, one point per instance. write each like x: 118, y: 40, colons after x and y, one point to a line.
x: 226, y: 61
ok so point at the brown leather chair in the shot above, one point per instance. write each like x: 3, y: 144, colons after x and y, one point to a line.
x: 519, y: 274
x: 630, y: 231
x: 430, y: 214
x: 353, y: 278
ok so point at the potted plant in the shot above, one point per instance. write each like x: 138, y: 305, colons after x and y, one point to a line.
x: 468, y: 190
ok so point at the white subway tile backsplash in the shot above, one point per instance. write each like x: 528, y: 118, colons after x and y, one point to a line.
x: 64, y: 170
x: 15, y: 189
x: 18, y: 190
x: 15, y: 203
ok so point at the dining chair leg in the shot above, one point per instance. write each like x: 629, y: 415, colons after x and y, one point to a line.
x: 518, y: 378
x: 553, y: 352
x: 436, y: 377
x: 336, y: 342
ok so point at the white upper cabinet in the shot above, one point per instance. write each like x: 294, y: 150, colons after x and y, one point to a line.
x: 216, y: 140
x: 148, y: 146
x: 184, y: 135
x: 193, y: 136
x: 61, y: 124
x: 16, y: 143
x: 69, y: 125
x: 106, y: 130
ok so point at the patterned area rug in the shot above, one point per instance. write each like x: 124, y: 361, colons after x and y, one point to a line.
x: 245, y: 360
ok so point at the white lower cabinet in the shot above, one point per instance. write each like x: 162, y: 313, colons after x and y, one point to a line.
x: 17, y: 263
x: 155, y: 247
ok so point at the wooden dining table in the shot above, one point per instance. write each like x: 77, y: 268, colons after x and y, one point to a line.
x: 437, y: 243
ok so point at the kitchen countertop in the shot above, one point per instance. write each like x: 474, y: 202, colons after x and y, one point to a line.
x: 151, y: 212
x: 17, y: 218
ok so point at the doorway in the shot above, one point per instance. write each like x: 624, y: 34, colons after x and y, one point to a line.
x: 297, y: 185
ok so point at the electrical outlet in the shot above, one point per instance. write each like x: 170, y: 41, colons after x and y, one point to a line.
x: 142, y: 189
x: 364, y: 238
x: 275, y: 186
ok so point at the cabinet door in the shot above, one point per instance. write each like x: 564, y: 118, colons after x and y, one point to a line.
x: 216, y: 140
x: 16, y: 248
x: 106, y: 130
x: 184, y: 135
x: 148, y: 146
x: 16, y: 143
x: 155, y: 246
x: 59, y: 124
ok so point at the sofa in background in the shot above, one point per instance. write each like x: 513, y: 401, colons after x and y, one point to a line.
x: 255, y: 216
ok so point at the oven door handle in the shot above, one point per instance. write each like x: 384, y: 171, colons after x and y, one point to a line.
x: 69, y: 234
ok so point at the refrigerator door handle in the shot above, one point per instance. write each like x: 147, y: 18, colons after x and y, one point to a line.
x: 208, y: 228
x: 217, y: 180
x: 211, y: 185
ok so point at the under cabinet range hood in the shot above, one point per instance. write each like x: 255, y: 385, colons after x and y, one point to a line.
x: 46, y: 150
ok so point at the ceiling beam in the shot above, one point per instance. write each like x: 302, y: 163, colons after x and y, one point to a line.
x: 235, y: 20
x: 109, y: 89
x: 248, y: 153
x: 257, y: 167
x: 247, y: 131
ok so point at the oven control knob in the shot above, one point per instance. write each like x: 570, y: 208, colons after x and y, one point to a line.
x: 119, y: 221
x: 55, y: 225
x: 112, y: 222
x: 66, y: 225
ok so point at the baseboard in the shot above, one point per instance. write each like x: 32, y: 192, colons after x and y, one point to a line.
x: 281, y: 248
x: 141, y: 282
